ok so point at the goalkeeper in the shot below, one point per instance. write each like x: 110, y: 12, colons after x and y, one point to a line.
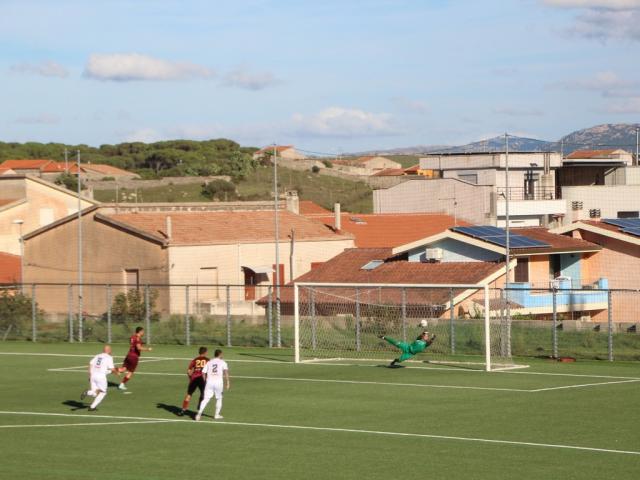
x: 409, y: 350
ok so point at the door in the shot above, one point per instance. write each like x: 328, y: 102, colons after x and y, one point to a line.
x: 281, y: 272
x: 249, y: 284
x: 522, y: 270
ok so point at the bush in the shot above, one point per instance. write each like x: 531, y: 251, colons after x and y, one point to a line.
x: 108, y: 179
x: 219, y: 190
x: 315, y: 169
x: 15, y: 314
x: 327, y: 163
x: 129, y: 308
x: 69, y: 181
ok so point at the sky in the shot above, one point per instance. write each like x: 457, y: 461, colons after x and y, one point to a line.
x: 330, y: 77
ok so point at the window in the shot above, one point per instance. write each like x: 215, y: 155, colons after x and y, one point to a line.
x: 629, y: 214
x: 522, y: 270
x: 132, y: 278
x: 469, y: 177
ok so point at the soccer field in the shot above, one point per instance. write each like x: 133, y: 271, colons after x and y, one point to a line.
x: 282, y: 420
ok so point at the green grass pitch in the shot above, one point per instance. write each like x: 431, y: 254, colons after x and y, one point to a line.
x: 313, y: 421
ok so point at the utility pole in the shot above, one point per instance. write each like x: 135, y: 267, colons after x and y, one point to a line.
x: 66, y: 161
x: 80, y: 322
x: 637, y: 144
x: 507, y: 244
x: 277, y: 240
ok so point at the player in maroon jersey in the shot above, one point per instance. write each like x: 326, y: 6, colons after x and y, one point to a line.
x: 196, y: 380
x: 136, y: 347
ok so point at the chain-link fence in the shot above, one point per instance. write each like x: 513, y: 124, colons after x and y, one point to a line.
x: 590, y: 324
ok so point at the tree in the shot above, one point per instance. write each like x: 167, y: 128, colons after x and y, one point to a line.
x: 16, y: 312
x: 130, y: 307
x: 219, y: 190
x: 69, y: 181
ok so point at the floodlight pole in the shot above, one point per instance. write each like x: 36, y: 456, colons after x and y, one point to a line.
x: 80, y: 322
x: 637, y: 145
x: 507, y: 243
x: 277, y: 241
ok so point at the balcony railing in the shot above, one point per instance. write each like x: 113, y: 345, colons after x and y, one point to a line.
x: 521, y: 193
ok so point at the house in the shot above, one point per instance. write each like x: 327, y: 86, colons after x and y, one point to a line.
x: 364, y: 266
x: 618, y: 261
x: 473, y: 186
x: 387, y: 230
x: 7, y: 171
x: 28, y: 203
x: 282, y: 151
x: 376, y: 163
x: 97, y: 171
x: 204, y: 249
x: 598, y: 156
x: 43, y: 168
x: 9, y: 268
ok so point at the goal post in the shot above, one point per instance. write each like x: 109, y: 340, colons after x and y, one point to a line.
x: 344, y: 321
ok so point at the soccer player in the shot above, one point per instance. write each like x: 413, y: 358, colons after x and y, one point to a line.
x: 408, y: 350
x: 213, y: 372
x: 196, y: 380
x: 99, y: 366
x: 133, y: 356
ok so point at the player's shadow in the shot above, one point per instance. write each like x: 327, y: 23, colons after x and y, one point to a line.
x: 75, y: 405
x: 112, y: 384
x: 175, y: 410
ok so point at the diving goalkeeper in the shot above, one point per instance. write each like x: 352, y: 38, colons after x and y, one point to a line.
x: 409, y: 350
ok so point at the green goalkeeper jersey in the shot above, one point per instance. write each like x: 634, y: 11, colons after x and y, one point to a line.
x: 418, y: 346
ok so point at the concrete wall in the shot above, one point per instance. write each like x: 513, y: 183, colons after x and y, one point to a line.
x: 455, y: 251
x: 489, y: 160
x: 43, y: 204
x: 472, y: 202
x: 187, y: 263
x: 609, y: 199
x: 128, y: 183
x: 107, y: 252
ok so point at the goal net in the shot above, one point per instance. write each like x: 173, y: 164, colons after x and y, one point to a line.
x: 345, y: 321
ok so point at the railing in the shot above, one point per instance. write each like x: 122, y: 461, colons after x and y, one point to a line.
x: 521, y: 193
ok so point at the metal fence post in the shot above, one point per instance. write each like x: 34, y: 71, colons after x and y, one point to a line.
x: 228, y: 316
x: 147, y: 315
x: 404, y: 314
x: 278, y: 325
x: 109, y: 332
x: 554, y: 334
x: 610, y: 325
x: 357, y: 319
x: 270, y: 316
x: 70, y: 308
x: 314, y: 326
x: 187, y: 324
x: 503, y: 323
x: 452, y: 325
x: 34, y: 314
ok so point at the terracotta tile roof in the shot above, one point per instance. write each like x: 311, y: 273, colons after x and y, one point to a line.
x: 9, y: 268
x: 366, y: 158
x: 4, y: 170
x: 557, y: 242
x: 391, y: 229
x: 606, y: 226
x: 307, y: 207
x: 413, y: 169
x: 105, y: 169
x: 211, y: 228
x: 279, y: 148
x: 53, y: 167
x: 28, y: 164
x: 347, y: 268
x: 591, y: 153
x: 390, y: 172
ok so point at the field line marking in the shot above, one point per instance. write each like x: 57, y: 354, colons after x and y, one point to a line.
x: 80, y: 415
x: 144, y: 359
x: 86, y: 424
x: 583, y: 385
x: 322, y: 380
x: 348, y: 430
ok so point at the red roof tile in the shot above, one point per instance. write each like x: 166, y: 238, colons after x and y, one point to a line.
x: 557, y: 242
x: 390, y: 172
x: 391, y: 229
x: 278, y: 148
x: 591, y: 153
x: 307, y: 207
x: 413, y: 169
x: 210, y: 228
x: 28, y: 164
x: 9, y: 268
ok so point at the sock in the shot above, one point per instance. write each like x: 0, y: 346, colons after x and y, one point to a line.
x: 125, y: 379
x: 218, y: 406
x: 185, y: 404
x: 98, y: 399
x: 203, y: 405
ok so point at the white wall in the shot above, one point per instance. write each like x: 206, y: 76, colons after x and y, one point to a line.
x: 610, y: 199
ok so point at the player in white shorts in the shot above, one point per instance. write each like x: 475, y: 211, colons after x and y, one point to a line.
x: 215, y: 372
x: 99, y: 367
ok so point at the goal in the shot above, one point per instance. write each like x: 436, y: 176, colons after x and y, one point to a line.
x: 343, y: 321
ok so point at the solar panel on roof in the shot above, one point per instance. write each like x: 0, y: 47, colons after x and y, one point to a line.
x: 498, y: 236
x: 623, y: 222
x: 632, y: 231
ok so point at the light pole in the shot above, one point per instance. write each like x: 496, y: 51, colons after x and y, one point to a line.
x: 507, y: 244
x: 277, y: 240
x: 20, y: 222
x: 80, y: 292
x: 637, y: 144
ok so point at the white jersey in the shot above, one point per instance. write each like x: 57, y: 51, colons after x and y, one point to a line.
x: 214, y: 369
x: 101, y: 364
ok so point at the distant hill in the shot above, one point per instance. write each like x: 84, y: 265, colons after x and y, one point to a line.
x: 620, y: 135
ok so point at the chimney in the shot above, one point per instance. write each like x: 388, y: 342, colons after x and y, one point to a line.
x: 292, y: 201
x: 337, y: 225
x: 169, y: 228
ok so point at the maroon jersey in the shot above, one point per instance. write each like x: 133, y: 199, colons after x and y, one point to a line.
x: 196, y: 366
x: 135, y: 345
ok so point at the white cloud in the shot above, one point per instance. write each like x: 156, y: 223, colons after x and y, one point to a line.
x: 344, y: 122
x: 603, y: 19
x: 243, y: 78
x: 46, y: 68
x: 518, y: 112
x: 124, y: 67
x: 39, y: 119
x: 412, y: 106
x: 146, y: 135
